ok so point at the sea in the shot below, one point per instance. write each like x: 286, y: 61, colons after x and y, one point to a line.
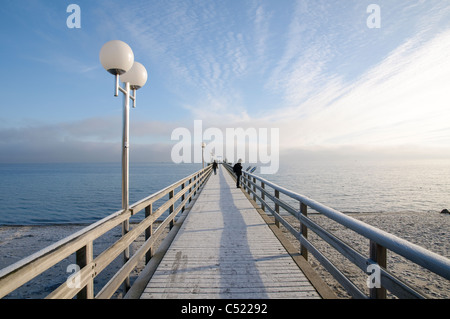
x: 83, y: 193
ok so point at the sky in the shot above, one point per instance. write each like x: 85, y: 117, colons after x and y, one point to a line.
x: 317, y: 70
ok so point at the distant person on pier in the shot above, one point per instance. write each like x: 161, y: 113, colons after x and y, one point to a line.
x: 237, y: 169
x: 214, y: 167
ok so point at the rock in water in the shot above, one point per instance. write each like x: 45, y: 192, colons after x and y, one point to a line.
x: 445, y: 211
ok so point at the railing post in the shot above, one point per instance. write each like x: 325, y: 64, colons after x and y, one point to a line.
x: 190, y: 189
x: 254, y: 189
x: 263, y: 196
x: 83, y: 257
x: 202, y: 177
x: 148, y: 233
x: 195, y: 184
x: 303, y: 230
x: 379, y: 255
x: 182, y: 197
x: 277, y: 208
x: 126, y: 254
x: 171, y: 208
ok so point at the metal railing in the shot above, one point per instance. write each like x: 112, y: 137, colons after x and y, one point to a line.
x: 380, y: 241
x: 81, y: 244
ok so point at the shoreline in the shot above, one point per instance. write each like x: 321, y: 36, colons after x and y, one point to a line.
x: 430, y: 231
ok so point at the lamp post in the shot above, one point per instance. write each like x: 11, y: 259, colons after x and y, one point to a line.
x: 203, y: 155
x: 118, y: 59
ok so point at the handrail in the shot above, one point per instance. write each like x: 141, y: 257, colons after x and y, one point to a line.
x: 81, y: 243
x: 380, y: 240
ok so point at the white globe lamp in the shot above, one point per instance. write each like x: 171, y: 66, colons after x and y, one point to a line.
x: 136, y: 76
x: 116, y: 57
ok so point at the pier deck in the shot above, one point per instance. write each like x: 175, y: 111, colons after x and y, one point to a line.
x: 224, y: 249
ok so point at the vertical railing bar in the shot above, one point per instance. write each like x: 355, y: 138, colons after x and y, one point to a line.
x: 148, y: 233
x: 83, y: 257
x: 304, y: 230
x: 182, y: 197
x: 263, y: 196
x: 379, y: 255
x: 190, y: 189
x: 171, y: 208
x: 195, y: 184
x: 126, y: 253
x: 277, y: 207
x: 254, y: 189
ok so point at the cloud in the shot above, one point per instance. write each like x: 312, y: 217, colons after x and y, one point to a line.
x: 312, y: 69
x: 261, y: 34
x: 402, y: 100
x: 87, y: 140
x: 398, y: 100
x: 200, y: 51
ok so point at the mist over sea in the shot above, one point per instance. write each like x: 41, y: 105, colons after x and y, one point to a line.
x: 82, y: 193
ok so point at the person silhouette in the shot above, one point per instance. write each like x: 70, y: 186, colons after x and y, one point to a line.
x: 237, y: 169
x: 214, y: 166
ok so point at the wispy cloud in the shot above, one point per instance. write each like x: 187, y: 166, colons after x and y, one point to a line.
x: 398, y: 100
x: 63, y: 62
x: 403, y: 100
x: 204, y: 48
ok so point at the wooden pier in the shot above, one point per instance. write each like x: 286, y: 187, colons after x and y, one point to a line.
x: 218, y: 241
x: 225, y: 249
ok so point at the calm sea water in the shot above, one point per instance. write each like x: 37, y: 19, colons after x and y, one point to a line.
x: 39, y: 194
x: 371, y: 186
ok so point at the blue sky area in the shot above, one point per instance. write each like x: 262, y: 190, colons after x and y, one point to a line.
x: 312, y: 68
